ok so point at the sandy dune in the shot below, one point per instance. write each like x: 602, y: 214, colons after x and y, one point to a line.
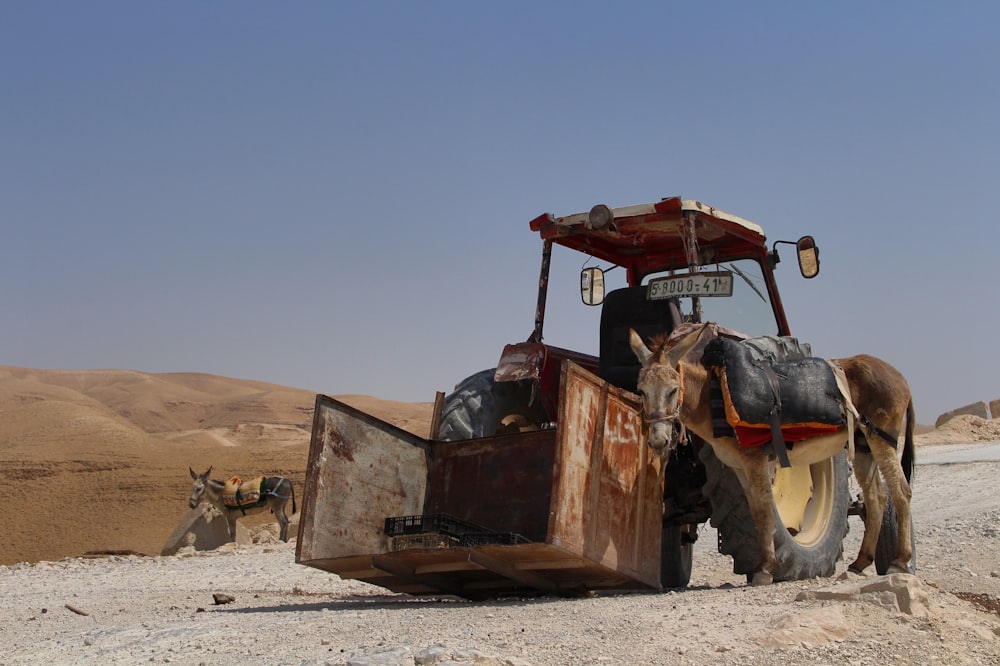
x: 97, y: 460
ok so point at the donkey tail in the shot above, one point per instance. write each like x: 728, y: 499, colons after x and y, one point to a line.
x: 909, y: 458
x: 292, y: 486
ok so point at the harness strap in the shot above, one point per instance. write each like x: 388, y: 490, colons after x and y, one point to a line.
x: 239, y: 499
x: 273, y: 492
x: 778, y: 446
x: 871, y: 427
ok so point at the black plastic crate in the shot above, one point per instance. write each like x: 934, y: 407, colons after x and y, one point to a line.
x: 415, y: 541
x: 441, y: 523
x: 404, y: 525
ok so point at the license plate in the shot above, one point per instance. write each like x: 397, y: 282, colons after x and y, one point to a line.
x: 718, y: 283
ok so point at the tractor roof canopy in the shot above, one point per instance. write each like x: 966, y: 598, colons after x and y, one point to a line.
x: 651, y: 237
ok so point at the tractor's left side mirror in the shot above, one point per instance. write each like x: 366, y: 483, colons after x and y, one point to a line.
x: 592, y: 285
x: 808, y: 255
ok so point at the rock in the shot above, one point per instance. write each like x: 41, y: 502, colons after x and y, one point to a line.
x: 395, y: 656
x: 434, y: 654
x: 895, y: 592
x: 438, y: 655
x: 980, y: 409
x: 265, y: 534
x: 809, y: 628
x: 202, y: 528
x: 221, y: 599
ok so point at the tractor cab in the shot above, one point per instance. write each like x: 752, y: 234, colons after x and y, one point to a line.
x: 683, y: 261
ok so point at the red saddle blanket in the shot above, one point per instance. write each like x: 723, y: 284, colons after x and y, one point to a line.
x: 749, y: 437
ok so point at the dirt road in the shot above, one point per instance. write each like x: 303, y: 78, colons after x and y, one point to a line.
x: 161, y: 609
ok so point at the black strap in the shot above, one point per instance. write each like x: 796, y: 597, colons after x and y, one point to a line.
x: 267, y: 489
x: 777, y: 439
x: 867, y: 423
x: 239, y: 499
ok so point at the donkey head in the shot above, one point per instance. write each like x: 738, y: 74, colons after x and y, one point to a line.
x: 660, y: 385
x: 660, y: 388
x: 198, y: 487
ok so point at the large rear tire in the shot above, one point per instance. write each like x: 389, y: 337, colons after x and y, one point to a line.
x: 810, y: 510
x: 482, y: 407
x: 469, y: 410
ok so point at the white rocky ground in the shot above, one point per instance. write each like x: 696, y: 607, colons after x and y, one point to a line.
x: 128, y: 610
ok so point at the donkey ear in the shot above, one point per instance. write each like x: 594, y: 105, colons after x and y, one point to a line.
x: 193, y: 475
x: 681, y: 348
x: 207, y: 472
x: 639, y: 347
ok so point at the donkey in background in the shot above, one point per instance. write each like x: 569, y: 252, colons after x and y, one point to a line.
x: 274, y: 493
x: 880, y: 396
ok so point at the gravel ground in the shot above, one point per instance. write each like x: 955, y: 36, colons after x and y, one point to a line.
x: 131, y: 609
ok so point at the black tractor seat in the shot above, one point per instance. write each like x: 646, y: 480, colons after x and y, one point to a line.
x: 624, y: 309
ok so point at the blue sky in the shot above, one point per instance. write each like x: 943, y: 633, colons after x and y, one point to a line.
x: 335, y: 196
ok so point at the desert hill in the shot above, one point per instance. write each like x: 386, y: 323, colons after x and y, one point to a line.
x: 96, y: 460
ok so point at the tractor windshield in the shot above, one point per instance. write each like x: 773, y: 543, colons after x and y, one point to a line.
x: 733, y: 294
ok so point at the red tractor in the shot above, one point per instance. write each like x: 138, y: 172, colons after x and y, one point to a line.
x: 536, y: 476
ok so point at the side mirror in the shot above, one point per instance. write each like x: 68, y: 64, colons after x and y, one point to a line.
x: 592, y: 285
x: 808, y: 255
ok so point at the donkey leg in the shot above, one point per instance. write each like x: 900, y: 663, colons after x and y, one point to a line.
x: 865, y: 472
x: 899, y: 489
x: 761, y: 503
x: 282, y: 517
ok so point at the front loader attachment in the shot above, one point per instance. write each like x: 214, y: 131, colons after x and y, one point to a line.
x: 557, y: 511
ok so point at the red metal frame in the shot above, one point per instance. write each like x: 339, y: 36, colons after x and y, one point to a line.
x: 648, y: 242
x: 643, y: 239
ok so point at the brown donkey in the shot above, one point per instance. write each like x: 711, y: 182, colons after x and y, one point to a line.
x: 878, y: 391
x: 262, y: 493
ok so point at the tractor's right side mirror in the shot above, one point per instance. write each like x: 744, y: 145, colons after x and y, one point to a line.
x: 808, y: 255
x: 592, y: 285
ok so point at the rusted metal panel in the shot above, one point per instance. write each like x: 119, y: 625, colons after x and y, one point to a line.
x: 543, y: 364
x: 608, y: 501
x: 521, y: 361
x: 502, y: 483
x: 436, y: 415
x: 587, y: 496
x: 360, y: 470
x: 530, y: 360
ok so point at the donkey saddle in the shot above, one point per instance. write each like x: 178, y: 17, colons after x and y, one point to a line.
x: 240, y: 494
x: 773, y: 390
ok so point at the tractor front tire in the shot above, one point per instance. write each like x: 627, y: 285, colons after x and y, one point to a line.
x: 676, y: 549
